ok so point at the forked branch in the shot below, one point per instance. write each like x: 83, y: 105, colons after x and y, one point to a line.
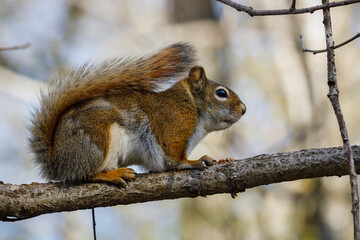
x: 292, y: 10
x: 334, y: 99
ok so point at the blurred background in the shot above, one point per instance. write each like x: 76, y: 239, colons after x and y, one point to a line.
x: 260, y: 58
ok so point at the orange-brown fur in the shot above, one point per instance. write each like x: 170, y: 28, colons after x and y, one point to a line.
x: 110, y: 77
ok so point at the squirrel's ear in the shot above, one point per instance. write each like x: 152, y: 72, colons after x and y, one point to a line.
x: 197, y: 77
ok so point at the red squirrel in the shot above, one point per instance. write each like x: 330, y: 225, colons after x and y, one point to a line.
x: 151, y: 111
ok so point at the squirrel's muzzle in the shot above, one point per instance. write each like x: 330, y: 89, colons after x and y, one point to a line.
x: 243, y: 109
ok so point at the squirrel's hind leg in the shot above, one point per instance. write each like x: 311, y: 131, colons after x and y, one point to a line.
x: 117, y: 148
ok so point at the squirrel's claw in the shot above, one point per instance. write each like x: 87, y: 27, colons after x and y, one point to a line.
x: 225, y: 160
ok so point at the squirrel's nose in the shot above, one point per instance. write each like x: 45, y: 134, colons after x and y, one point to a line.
x: 243, y: 109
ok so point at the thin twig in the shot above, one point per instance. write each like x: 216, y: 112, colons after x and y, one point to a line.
x: 325, y: 50
x: 347, y: 41
x: 94, y: 223
x: 293, y: 5
x: 15, y: 47
x: 253, y: 12
x: 333, y: 95
x: 308, y: 50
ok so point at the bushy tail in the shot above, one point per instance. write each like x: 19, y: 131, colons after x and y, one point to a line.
x: 155, y: 72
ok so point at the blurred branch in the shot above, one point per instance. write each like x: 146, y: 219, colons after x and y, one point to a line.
x: 253, y: 12
x: 334, y: 99
x: 15, y: 47
x: 18, y: 202
x: 325, y: 50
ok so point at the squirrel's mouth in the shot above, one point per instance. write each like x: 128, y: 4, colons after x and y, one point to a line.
x: 231, y: 121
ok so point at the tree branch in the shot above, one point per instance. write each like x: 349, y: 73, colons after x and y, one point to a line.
x: 325, y: 50
x: 253, y: 12
x: 334, y: 99
x: 19, y: 202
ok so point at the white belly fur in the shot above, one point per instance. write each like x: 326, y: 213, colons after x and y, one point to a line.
x: 127, y: 148
x: 198, y: 134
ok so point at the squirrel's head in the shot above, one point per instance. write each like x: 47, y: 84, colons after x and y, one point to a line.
x: 219, y: 107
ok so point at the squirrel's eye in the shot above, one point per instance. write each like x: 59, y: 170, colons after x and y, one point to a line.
x: 222, y: 93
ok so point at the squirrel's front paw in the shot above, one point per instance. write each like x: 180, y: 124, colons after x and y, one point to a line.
x: 206, y: 161
x: 203, y: 162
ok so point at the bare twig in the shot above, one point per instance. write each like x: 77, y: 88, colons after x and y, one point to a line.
x: 347, y: 41
x: 253, y: 12
x: 93, y: 221
x: 293, y: 5
x: 15, y: 47
x: 325, y: 50
x: 334, y: 99
x: 308, y: 50
x: 25, y: 201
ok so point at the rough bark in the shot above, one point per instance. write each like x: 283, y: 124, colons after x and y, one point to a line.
x: 24, y: 201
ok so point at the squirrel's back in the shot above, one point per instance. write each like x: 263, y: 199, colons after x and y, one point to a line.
x: 156, y: 72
